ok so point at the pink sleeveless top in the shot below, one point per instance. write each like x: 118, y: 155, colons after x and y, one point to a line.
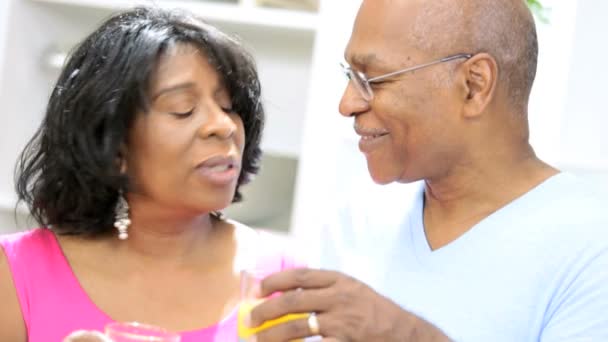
x: 54, y: 304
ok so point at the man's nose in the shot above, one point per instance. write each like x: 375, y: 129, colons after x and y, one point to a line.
x: 352, y: 102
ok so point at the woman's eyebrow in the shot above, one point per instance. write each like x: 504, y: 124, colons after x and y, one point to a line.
x: 176, y: 87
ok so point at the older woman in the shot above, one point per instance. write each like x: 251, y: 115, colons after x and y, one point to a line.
x: 154, y: 124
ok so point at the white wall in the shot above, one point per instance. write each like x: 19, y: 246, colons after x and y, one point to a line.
x: 4, y: 7
x: 319, y: 180
x: 568, y: 115
x: 548, y: 99
x: 585, y: 124
x: 4, y: 10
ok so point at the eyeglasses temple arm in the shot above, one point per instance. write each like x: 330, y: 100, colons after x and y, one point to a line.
x: 399, y: 72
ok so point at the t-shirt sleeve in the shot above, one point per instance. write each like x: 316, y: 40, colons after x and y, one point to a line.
x: 579, y: 310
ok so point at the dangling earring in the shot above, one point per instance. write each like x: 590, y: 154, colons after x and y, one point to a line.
x: 218, y: 215
x: 121, y: 216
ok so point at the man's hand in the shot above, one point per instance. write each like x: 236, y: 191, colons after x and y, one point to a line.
x: 346, y: 310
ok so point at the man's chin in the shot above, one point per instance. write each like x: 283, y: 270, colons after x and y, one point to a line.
x: 380, y: 176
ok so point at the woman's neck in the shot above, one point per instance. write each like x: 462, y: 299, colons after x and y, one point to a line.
x: 163, y: 236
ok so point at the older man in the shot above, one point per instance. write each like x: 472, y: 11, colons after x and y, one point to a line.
x: 493, y: 244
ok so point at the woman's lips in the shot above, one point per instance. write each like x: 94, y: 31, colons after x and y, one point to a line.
x: 219, y: 170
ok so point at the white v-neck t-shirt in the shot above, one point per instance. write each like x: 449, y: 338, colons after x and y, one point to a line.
x: 535, y: 270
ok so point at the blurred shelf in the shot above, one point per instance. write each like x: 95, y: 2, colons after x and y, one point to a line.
x: 228, y: 12
x: 288, y: 152
x: 267, y: 201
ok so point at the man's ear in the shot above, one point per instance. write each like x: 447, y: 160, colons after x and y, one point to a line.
x: 481, y: 79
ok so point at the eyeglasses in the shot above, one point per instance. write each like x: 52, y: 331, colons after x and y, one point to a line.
x: 363, y: 84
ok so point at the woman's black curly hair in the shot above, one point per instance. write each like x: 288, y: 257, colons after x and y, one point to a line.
x: 68, y: 173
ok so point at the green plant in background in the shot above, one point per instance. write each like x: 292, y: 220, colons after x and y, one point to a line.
x: 539, y: 11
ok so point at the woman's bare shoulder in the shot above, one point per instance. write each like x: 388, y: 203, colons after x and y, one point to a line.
x: 256, y: 237
x: 12, y: 327
x: 262, y: 245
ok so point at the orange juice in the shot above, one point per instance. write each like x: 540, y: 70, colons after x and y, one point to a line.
x: 245, y: 308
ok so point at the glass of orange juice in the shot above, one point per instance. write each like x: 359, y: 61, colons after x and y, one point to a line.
x: 133, y: 331
x: 250, y: 281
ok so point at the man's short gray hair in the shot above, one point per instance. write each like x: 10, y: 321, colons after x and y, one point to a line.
x: 504, y: 29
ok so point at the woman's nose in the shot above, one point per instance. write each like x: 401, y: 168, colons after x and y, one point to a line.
x: 218, y: 124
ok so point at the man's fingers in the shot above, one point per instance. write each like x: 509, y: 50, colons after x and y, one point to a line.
x: 292, y: 330
x: 304, y: 278
x: 288, y: 331
x: 291, y: 302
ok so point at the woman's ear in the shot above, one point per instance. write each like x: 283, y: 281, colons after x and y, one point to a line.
x: 121, y: 159
x: 481, y: 80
